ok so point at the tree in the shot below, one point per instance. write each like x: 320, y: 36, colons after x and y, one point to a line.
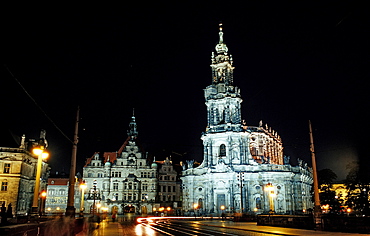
x: 328, y: 196
x: 358, y: 186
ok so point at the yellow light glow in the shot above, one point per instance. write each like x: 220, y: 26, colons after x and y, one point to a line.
x: 98, y: 205
x: 168, y: 208
x: 269, y: 187
x: 222, y: 207
x: 37, y: 151
x: 44, y: 155
x: 104, y: 208
x: 58, y: 208
x: 195, y: 205
x: 43, y: 194
x: 49, y: 209
x: 83, y: 186
x: 154, y: 209
x: 40, y: 151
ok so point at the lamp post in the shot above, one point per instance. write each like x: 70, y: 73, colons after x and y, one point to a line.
x: 222, y: 207
x: 98, y: 206
x: 41, y: 154
x: 42, y: 205
x: 195, y: 208
x: 94, y: 196
x: 82, y: 208
x: 270, y: 189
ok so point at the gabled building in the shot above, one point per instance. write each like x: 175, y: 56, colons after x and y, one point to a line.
x: 123, y: 181
x: 243, y: 169
x: 17, y: 176
x: 169, y: 185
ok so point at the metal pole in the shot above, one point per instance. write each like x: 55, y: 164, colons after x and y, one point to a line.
x: 71, y: 210
x: 317, y: 208
x: 94, y: 200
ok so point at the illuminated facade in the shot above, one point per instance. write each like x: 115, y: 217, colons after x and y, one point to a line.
x: 57, y: 196
x: 169, y: 186
x: 17, y: 176
x: 126, y: 182
x: 240, y: 161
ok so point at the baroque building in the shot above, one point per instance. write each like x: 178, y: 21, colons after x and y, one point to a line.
x: 243, y: 169
x: 126, y: 181
x: 17, y: 176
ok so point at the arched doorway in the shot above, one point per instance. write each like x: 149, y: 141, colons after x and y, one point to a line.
x: 129, y: 209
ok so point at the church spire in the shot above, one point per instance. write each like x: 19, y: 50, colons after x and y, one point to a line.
x: 221, y: 34
x: 222, y: 62
x: 133, y: 127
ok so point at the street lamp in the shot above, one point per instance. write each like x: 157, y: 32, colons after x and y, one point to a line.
x: 98, y: 206
x: 195, y: 208
x: 270, y: 189
x: 42, y: 205
x: 41, y: 154
x: 94, y: 196
x: 222, y: 207
x: 82, y: 208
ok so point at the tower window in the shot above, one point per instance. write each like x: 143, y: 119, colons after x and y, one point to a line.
x: 222, y: 150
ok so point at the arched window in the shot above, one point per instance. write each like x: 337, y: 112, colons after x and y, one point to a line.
x: 222, y: 150
x: 200, y: 203
x: 258, y: 203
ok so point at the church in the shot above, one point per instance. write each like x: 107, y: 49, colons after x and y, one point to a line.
x: 244, y: 169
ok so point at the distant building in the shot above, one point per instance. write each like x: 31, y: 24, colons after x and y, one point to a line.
x: 243, y: 169
x: 57, y: 195
x: 123, y: 181
x: 169, y: 185
x: 17, y: 176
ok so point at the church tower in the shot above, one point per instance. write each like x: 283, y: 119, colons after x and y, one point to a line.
x: 222, y: 97
x: 243, y: 168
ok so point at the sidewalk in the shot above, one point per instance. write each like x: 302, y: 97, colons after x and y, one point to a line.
x: 252, y: 226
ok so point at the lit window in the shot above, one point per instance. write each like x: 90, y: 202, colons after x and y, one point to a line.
x: 4, y: 186
x: 7, y: 168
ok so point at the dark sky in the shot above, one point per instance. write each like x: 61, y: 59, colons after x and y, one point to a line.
x: 293, y: 63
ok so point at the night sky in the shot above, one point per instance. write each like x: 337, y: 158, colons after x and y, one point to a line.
x: 293, y: 63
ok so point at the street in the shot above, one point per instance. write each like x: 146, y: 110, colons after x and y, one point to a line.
x: 202, y: 228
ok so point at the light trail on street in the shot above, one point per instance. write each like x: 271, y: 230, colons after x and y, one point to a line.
x: 176, y: 228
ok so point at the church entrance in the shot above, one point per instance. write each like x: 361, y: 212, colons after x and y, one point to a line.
x: 221, y: 203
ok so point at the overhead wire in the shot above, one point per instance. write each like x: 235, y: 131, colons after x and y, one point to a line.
x: 37, y: 105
